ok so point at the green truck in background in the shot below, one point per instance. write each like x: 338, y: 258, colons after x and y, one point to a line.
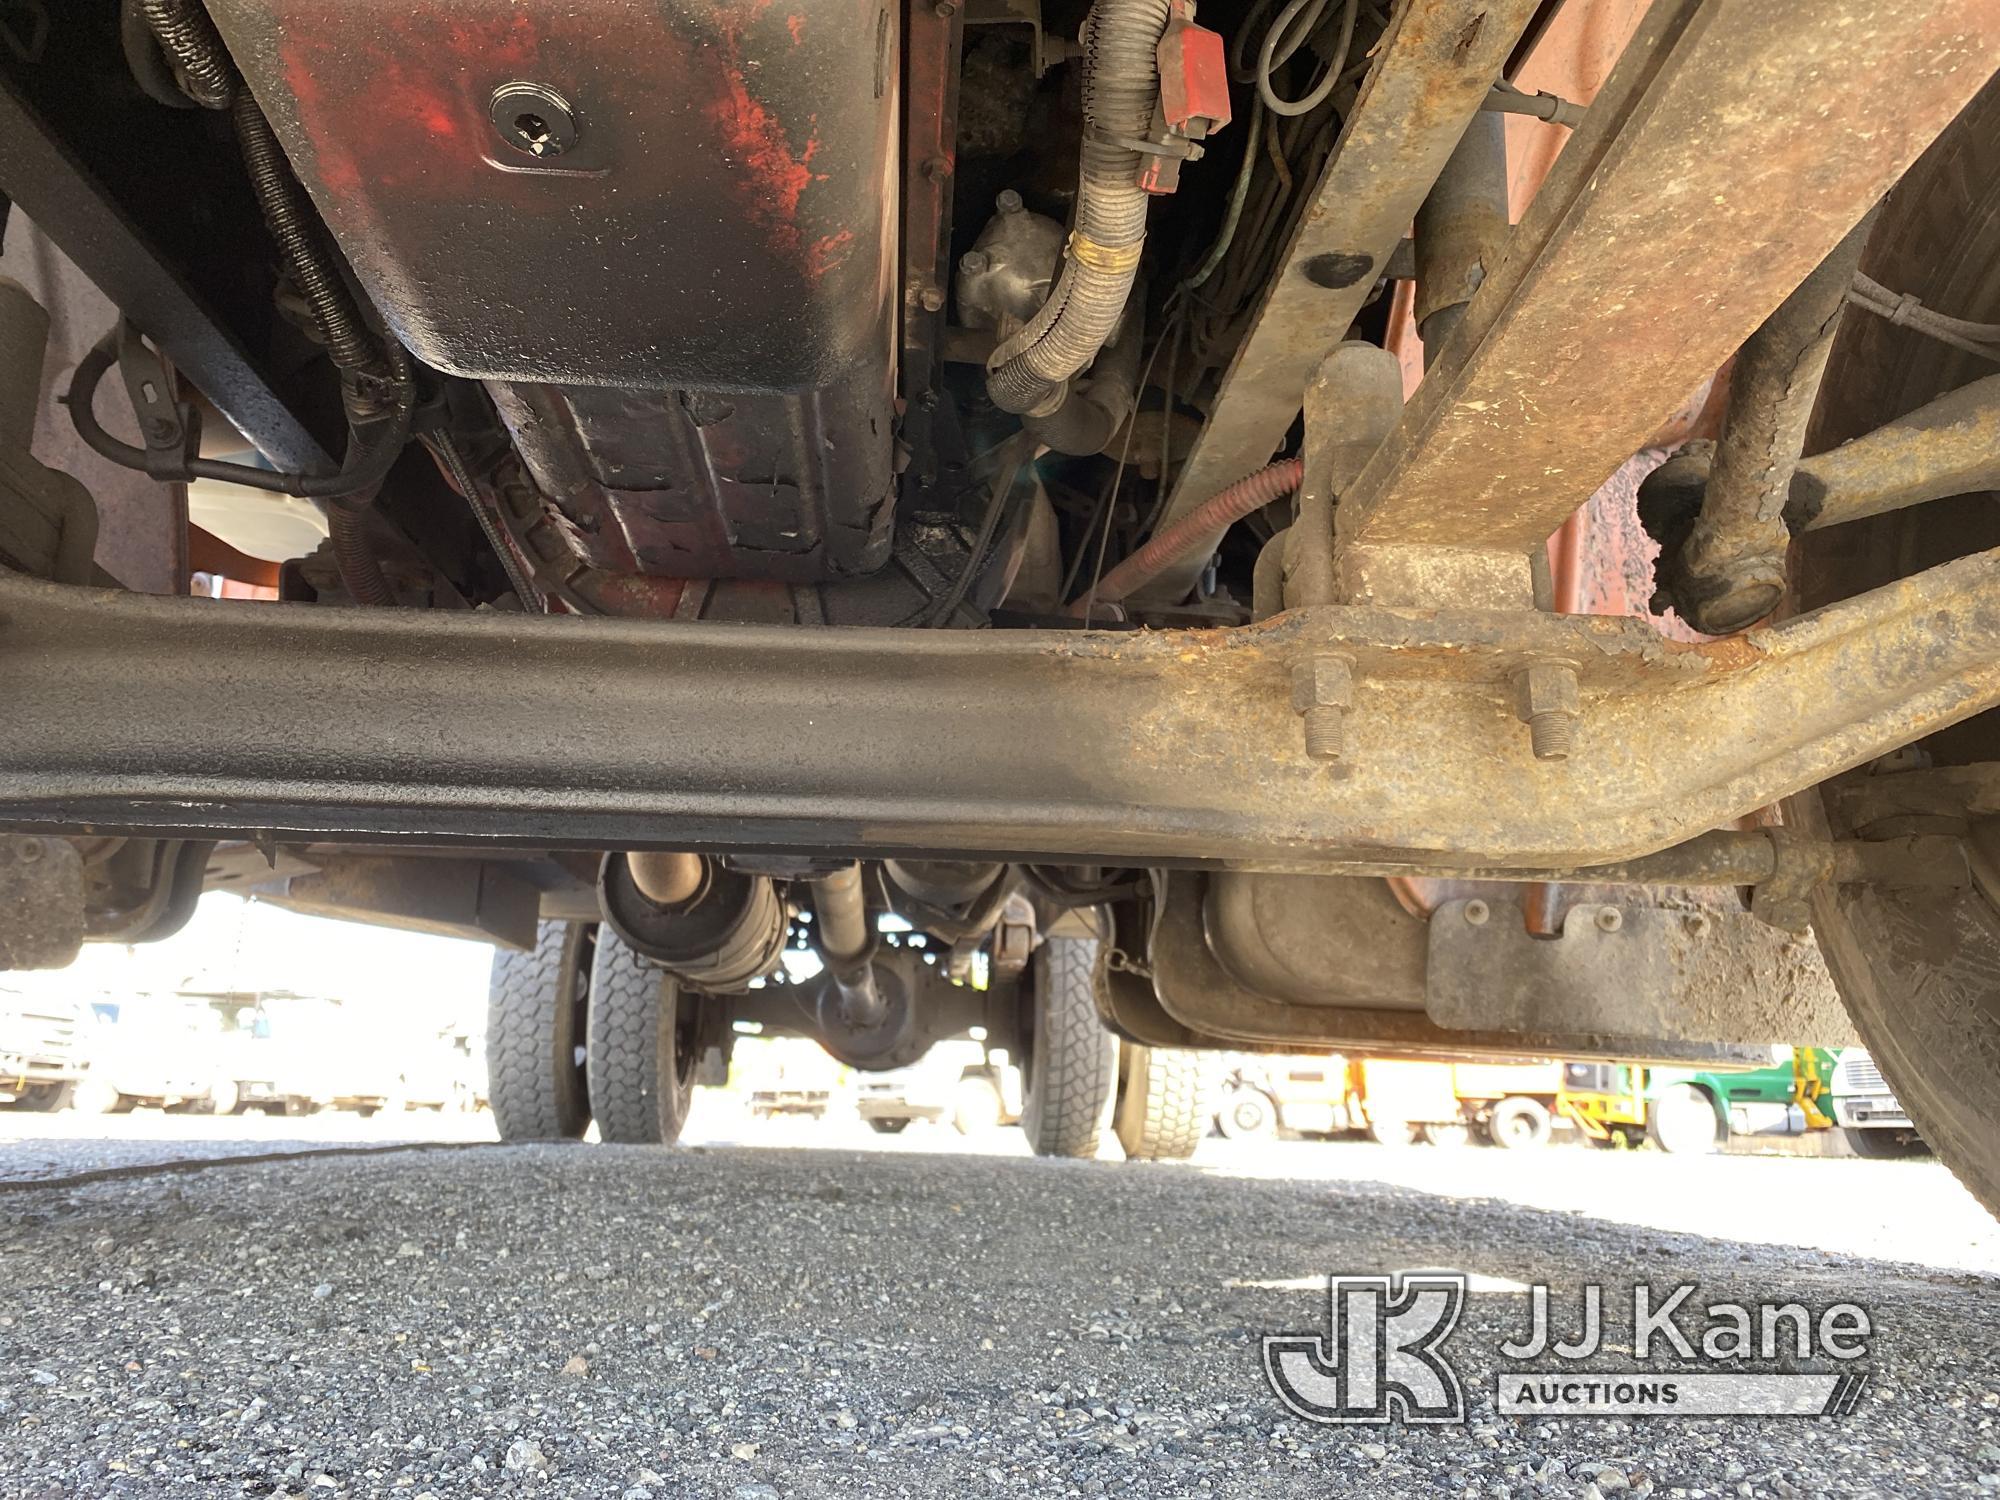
x: 1687, y: 1110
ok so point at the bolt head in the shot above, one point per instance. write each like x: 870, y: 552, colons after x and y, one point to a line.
x: 30, y: 850
x: 533, y: 119
x: 1009, y: 201
x: 1477, y: 913
x: 1322, y: 680
x: 973, y: 262
x: 932, y: 299
x: 1609, y: 919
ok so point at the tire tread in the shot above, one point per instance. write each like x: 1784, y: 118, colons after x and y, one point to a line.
x: 1164, y: 1113
x: 631, y: 1050
x: 1075, y: 1061
x: 532, y: 1089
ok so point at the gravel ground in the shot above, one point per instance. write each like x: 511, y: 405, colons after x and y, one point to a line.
x: 34, y: 1147
x: 745, y: 1323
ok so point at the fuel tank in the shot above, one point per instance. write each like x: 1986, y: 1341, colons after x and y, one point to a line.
x: 661, y: 231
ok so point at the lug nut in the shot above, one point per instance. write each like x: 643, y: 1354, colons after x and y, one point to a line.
x: 1322, y: 689
x: 1549, y: 704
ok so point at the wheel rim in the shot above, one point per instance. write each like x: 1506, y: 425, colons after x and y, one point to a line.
x: 687, y: 1036
x: 1687, y: 1122
x: 1248, y: 1116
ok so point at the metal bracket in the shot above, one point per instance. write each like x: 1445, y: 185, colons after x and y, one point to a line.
x: 1698, y: 975
x: 41, y: 902
x: 169, y: 426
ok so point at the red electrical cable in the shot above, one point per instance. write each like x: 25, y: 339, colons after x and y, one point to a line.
x: 1213, y: 516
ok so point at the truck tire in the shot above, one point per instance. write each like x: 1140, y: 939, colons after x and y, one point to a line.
x: 45, y: 1098
x: 1389, y: 1131
x: 1163, y: 1110
x: 642, y: 1048
x: 1247, y: 1114
x: 889, y: 1127
x: 93, y: 1096
x: 1072, y: 1070
x: 1682, y: 1121
x: 1884, y: 1145
x: 1919, y: 971
x: 1518, y: 1123
x: 535, y: 1031
x: 976, y: 1105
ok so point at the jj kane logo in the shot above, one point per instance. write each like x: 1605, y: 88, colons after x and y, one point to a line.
x: 1383, y: 1357
x: 1383, y: 1360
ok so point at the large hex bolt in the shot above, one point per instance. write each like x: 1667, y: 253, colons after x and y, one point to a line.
x: 1549, y: 704
x: 1322, y: 690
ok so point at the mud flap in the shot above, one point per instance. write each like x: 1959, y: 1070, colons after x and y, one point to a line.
x: 41, y: 902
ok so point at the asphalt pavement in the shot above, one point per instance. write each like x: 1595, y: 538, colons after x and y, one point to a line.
x: 745, y: 1321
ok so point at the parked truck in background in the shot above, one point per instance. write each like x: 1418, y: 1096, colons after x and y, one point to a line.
x: 156, y: 1051
x: 1801, y: 1091
x: 40, y: 1060
x: 958, y: 1083
x: 1697, y: 1110
x: 1395, y: 1100
x: 1867, y: 1111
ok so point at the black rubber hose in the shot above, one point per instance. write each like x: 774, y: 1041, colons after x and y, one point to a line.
x: 360, y: 571
x: 291, y: 223
x: 190, y: 39
x: 147, y: 58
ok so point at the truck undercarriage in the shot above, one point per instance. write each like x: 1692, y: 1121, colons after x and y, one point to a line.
x: 1449, y: 528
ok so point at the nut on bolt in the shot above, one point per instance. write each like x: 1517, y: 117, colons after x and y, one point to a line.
x: 1322, y: 690
x: 1549, y: 705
